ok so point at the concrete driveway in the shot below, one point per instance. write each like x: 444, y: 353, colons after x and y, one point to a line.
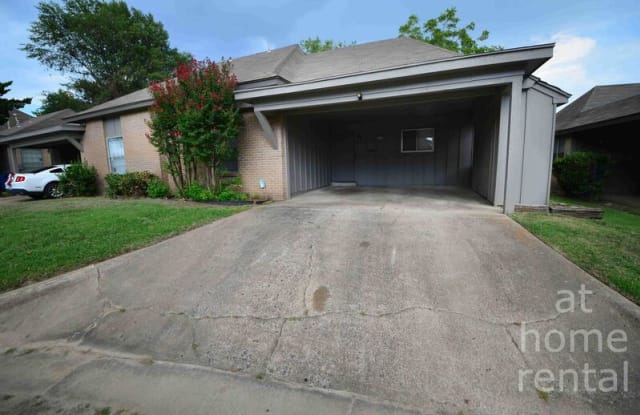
x: 347, y: 301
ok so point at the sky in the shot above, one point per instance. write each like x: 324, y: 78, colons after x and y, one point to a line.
x: 597, y: 42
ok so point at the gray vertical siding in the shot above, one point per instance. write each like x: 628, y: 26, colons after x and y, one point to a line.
x: 486, y: 124
x: 379, y: 161
x: 368, y: 152
x: 308, y: 157
x: 538, y: 143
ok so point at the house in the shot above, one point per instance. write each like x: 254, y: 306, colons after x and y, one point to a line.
x: 28, y: 143
x: 396, y: 112
x: 606, y: 119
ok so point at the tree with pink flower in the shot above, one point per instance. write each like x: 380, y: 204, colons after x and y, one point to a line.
x: 194, y: 121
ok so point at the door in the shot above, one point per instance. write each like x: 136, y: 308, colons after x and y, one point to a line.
x: 343, y: 159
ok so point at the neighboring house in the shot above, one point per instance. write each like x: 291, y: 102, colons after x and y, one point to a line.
x: 606, y: 119
x: 15, y: 120
x: 397, y: 112
x: 42, y: 141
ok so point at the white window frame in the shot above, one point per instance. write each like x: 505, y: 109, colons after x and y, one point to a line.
x: 417, y: 149
x: 110, y: 158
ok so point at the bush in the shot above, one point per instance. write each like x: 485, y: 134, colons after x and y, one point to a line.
x: 582, y: 174
x: 201, y: 194
x: 231, y: 195
x: 198, y: 193
x: 79, y: 179
x: 129, y: 184
x: 157, y: 189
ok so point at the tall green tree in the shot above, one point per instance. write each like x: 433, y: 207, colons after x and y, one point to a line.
x: 59, y: 100
x: 443, y: 31
x: 8, y: 104
x: 314, y: 45
x: 107, y: 47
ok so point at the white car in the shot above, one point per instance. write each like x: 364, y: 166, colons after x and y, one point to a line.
x: 37, y: 184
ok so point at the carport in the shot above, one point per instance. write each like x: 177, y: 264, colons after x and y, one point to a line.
x: 41, y: 141
x: 441, y: 141
x: 481, y: 122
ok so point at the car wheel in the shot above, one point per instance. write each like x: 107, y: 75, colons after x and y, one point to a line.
x: 51, y: 191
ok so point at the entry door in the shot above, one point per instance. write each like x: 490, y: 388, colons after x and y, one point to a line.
x: 344, y: 159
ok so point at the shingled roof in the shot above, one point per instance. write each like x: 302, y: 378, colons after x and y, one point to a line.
x: 600, y: 104
x: 44, y: 124
x: 291, y: 65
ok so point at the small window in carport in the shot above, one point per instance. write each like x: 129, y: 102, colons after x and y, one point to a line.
x: 418, y: 140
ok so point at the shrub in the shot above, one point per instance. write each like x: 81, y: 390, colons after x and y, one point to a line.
x: 129, y: 184
x: 231, y: 195
x: 79, y: 179
x: 201, y: 194
x: 582, y: 174
x: 157, y: 189
x: 198, y: 193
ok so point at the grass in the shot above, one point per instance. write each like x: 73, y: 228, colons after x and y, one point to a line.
x: 39, y: 239
x: 609, y: 248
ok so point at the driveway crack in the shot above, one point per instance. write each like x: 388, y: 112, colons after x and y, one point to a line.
x: 308, y: 278
x: 276, y: 342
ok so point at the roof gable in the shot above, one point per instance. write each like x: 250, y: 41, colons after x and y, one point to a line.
x: 366, y: 57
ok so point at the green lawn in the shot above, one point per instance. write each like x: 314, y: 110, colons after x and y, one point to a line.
x: 608, y: 248
x: 39, y: 239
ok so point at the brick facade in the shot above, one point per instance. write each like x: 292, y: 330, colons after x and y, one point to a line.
x: 139, y: 153
x: 258, y: 160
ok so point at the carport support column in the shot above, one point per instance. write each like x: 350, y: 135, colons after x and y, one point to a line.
x: 12, y: 158
x: 269, y: 134
x: 515, y: 147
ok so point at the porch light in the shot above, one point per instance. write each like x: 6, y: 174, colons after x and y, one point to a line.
x: 262, y: 184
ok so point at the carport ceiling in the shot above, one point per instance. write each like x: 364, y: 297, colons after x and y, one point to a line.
x: 440, y: 105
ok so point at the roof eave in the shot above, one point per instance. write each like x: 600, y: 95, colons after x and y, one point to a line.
x: 43, y: 131
x: 598, y: 124
x: 88, y: 115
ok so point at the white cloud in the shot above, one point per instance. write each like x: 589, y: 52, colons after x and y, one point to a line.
x: 568, y: 68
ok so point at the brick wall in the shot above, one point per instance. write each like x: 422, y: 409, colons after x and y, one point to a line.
x: 95, y: 149
x: 139, y: 153
x: 258, y: 160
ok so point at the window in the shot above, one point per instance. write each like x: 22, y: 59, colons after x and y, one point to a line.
x: 116, y: 155
x: 419, y: 140
x: 115, y: 146
x: 31, y: 159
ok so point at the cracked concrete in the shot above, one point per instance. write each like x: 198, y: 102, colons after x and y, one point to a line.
x: 349, y: 303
